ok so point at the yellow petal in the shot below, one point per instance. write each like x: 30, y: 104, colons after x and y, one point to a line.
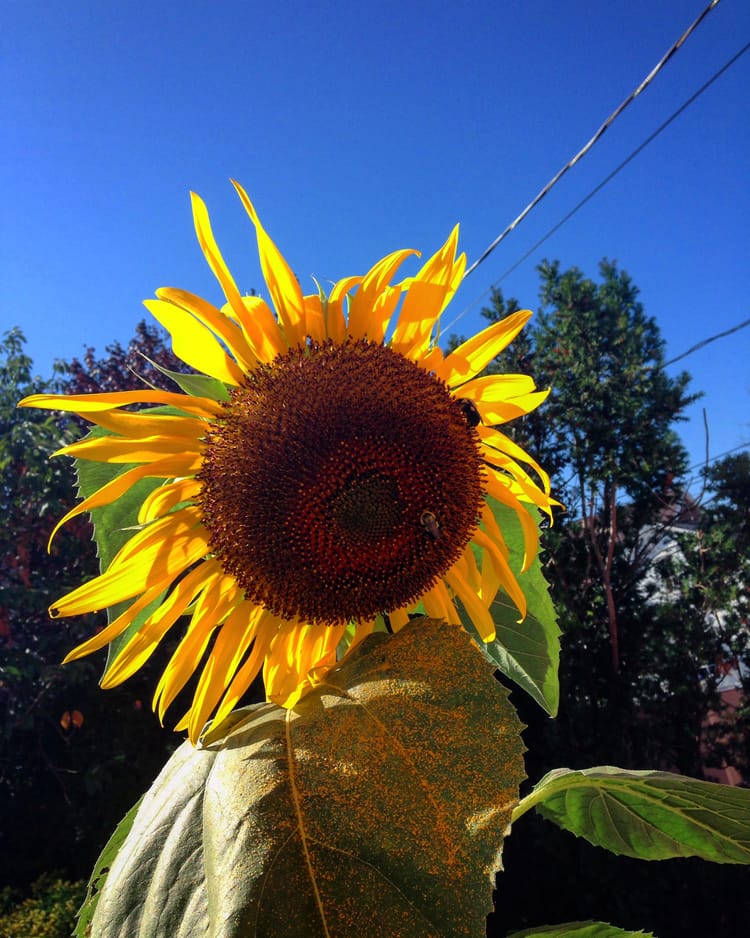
x: 372, y: 306
x: 528, y: 525
x: 496, y: 572
x: 222, y: 326
x: 476, y: 353
x: 212, y: 253
x: 399, y: 618
x: 194, y: 343
x: 118, y: 486
x: 439, y: 605
x: 115, y: 449
x: 137, y: 424
x: 143, y: 644
x: 362, y: 629
x: 259, y: 327
x: 83, y: 404
x: 150, y: 559
x: 335, y: 319
x: 503, y: 444
x: 315, y: 325
x: 236, y: 635
x: 282, y: 284
x: 118, y: 626
x: 427, y: 295
x: 417, y: 319
x: 266, y: 628
x: 212, y: 606
x: 500, y: 398
x: 443, y: 267
x: 494, y: 388
x: 476, y: 609
x: 166, y: 497
x: 294, y: 653
x: 186, y: 521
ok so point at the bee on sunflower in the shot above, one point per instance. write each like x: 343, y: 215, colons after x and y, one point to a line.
x: 289, y: 496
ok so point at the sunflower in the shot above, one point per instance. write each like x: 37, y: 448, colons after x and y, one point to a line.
x: 331, y: 478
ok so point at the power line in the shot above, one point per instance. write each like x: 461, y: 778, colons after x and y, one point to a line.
x: 713, y: 338
x: 728, y: 452
x: 625, y: 162
x: 587, y: 198
x: 584, y: 150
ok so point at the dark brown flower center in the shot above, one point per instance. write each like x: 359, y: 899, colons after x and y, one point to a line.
x: 341, y: 481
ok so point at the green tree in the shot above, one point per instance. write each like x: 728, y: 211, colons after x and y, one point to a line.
x: 707, y: 589
x: 607, y: 435
x: 72, y: 759
x: 632, y: 662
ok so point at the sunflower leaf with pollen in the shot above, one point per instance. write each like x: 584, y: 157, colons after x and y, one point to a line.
x: 341, y: 817
x: 528, y: 652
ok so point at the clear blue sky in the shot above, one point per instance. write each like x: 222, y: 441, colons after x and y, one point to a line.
x: 360, y: 128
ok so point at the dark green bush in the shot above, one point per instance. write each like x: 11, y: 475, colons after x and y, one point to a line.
x: 49, y: 912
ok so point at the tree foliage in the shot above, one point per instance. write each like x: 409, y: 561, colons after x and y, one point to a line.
x: 71, y: 758
x: 707, y: 583
x: 632, y: 677
x: 607, y: 432
x: 128, y: 368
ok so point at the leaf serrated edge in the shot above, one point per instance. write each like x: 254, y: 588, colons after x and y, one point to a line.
x: 562, y: 780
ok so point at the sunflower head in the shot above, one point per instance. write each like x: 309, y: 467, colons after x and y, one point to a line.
x: 333, y: 478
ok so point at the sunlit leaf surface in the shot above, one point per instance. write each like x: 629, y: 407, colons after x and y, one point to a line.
x: 528, y: 652
x: 649, y: 815
x: 579, y: 930
x: 377, y: 807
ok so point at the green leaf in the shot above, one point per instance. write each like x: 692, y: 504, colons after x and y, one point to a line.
x: 579, y: 930
x: 528, y: 652
x: 101, y: 871
x: 342, y: 817
x: 649, y: 815
x: 197, y: 385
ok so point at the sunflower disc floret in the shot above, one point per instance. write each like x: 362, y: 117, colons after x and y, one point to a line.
x: 318, y: 474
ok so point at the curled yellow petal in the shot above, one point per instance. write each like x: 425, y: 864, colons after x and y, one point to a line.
x: 194, y: 343
x: 476, y: 353
x: 83, y: 404
x: 281, y: 282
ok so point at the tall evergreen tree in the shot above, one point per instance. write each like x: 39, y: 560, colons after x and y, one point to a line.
x: 607, y: 434
x: 635, y: 631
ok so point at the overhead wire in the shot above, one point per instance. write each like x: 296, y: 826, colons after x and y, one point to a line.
x: 587, y: 198
x: 704, y: 342
x: 713, y: 459
x: 584, y: 150
x: 555, y: 228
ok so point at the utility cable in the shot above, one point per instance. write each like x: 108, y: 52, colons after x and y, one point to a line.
x: 587, y: 198
x: 584, y: 150
x: 712, y: 338
x: 625, y: 162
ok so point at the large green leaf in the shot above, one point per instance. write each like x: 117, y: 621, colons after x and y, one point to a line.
x: 579, y: 930
x: 377, y: 807
x: 101, y: 870
x: 649, y: 815
x: 528, y: 652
